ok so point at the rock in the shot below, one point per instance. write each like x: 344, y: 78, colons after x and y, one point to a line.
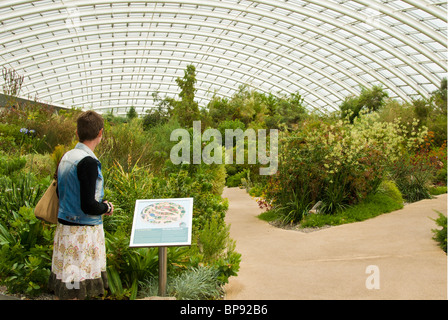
x: 315, y: 208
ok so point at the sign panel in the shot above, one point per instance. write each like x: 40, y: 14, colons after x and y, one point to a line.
x: 162, y: 222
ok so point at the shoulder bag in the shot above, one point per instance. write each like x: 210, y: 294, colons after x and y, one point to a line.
x: 48, y: 206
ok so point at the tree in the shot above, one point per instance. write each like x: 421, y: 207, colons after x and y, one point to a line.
x: 187, y: 110
x: 422, y: 110
x: 131, y: 114
x: 369, y: 99
x: 439, y: 97
x: 437, y: 120
x: 219, y: 110
x: 155, y: 116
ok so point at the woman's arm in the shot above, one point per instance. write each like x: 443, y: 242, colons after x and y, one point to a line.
x: 87, y: 175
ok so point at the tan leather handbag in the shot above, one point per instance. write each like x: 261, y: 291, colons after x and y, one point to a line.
x: 48, y: 206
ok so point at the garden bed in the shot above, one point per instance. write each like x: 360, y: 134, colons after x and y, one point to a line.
x: 375, y: 205
x: 297, y: 227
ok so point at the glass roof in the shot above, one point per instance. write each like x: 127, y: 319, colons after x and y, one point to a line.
x: 116, y: 54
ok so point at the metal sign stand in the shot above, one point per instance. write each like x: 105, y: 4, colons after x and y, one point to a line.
x: 162, y: 271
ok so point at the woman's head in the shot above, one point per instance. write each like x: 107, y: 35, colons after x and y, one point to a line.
x: 89, y: 125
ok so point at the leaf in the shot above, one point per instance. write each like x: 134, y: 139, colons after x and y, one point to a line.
x: 134, y: 289
x: 5, y: 236
x: 115, y: 284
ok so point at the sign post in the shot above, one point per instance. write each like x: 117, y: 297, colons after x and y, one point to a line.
x: 162, y: 223
x: 162, y: 271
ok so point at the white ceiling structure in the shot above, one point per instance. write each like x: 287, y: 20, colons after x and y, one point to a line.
x: 115, y: 54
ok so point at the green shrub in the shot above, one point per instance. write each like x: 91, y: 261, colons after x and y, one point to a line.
x: 22, y: 190
x: 435, y: 191
x: 9, y: 165
x: 19, y: 139
x: 269, y: 216
x: 9, y: 138
x: 337, y: 163
x: 336, y: 194
x: 127, y: 266
x: 230, y: 124
x: 210, y: 244
x: 126, y: 144
x: 37, y: 129
x: 372, y: 206
x: 41, y: 165
x: 390, y: 189
x: 123, y: 188
x: 195, y: 283
x: 155, y: 117
x: 413, y: 175
x: 235, y: 180
x: 161, y: 144
x: 25, y: 242
x: 441, y: 234
x: 213, y: 247
x: 25, y: 253
x: 256, y: 190
x: 212, y: 239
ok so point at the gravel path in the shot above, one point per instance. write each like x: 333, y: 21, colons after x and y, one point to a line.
x: 394, y: 251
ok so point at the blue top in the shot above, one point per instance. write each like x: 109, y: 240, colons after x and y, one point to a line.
x: 69, y: 187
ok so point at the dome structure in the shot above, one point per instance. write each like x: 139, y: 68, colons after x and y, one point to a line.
x: 114, y: 54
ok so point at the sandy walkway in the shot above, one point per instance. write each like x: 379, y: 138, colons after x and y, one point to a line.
x: 331, y: 263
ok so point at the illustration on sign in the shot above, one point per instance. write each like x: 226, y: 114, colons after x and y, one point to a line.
x: 162, y: 222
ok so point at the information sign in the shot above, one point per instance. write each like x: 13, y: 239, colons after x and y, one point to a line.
x: 162, y: 222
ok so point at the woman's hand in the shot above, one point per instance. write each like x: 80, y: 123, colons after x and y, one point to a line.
x: 110, y: 207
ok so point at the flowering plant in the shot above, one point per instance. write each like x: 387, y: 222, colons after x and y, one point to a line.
x: 336, y: 162
x: 415, y: 172
x: 28, y: 141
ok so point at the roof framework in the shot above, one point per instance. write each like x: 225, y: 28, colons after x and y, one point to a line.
x: 115, y: 54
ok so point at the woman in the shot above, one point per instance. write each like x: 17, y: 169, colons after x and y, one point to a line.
x: 78, y: 267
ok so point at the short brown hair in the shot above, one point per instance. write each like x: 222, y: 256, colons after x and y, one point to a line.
x: 89, y: 124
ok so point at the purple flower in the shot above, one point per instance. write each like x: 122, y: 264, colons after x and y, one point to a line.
x: 24, y: 130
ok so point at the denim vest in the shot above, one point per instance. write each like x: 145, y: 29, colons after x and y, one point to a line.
x: 69, y: 187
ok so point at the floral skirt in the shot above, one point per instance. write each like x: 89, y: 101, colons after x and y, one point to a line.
x: 78, y: 268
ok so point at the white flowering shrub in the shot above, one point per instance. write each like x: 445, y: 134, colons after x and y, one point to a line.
x: 336, y: 162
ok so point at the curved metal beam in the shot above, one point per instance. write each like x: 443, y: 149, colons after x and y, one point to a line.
x: 227, y: 48
x: 263, y: 13
x: 182, y: 68
x: 334, y: 22
x: 428, y: 8
x: 240, y: 18
x: 357, y: 64
x: 261, y: 79
x: 114, y: 82
x: 195, y: 42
